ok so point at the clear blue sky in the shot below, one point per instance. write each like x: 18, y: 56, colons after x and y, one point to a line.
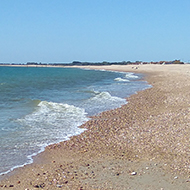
x: 94, y: 30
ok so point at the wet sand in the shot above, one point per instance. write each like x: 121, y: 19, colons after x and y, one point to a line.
x: 142, y: 145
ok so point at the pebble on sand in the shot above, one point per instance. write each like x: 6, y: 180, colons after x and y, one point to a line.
x: 134, y: 173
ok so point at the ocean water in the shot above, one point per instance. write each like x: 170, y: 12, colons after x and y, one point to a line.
x: 41, y: 106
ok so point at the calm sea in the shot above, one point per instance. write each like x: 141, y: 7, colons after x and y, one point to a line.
x: 41, y: 106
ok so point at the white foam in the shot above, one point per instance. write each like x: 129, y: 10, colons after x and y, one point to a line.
x: 121, y: 80
x: 50, y: 123
x: 53, y: 122
x: 52, y: 113
x: 131, y: 75
x: 105, y: 97
x: 103, y: 101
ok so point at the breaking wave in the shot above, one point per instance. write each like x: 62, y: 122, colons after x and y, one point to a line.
x: 131, y: 75
x: 102, y: 101
x: 121, y: 80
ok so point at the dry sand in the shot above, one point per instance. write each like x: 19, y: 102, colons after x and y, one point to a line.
x: 142, y: 145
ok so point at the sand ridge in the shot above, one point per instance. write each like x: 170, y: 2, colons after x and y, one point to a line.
x: 142, y: 145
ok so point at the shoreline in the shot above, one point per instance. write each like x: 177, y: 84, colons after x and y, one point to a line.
x: 30, y: 157
x: 129, y: 134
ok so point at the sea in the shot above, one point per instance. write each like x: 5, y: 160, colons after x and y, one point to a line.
x: 40, y: 106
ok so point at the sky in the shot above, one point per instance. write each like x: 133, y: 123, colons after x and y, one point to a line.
x: 62, y: 31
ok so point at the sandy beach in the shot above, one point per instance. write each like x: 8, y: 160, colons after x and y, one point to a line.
x: 142, y: 145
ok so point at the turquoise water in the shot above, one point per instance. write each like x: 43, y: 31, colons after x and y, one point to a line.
x: 41, y: 106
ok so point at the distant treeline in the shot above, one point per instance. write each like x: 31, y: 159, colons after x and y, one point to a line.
x: 107, y: 63
x: 78, y: 63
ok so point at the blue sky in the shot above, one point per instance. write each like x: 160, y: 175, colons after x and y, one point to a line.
x: 51, y: 31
